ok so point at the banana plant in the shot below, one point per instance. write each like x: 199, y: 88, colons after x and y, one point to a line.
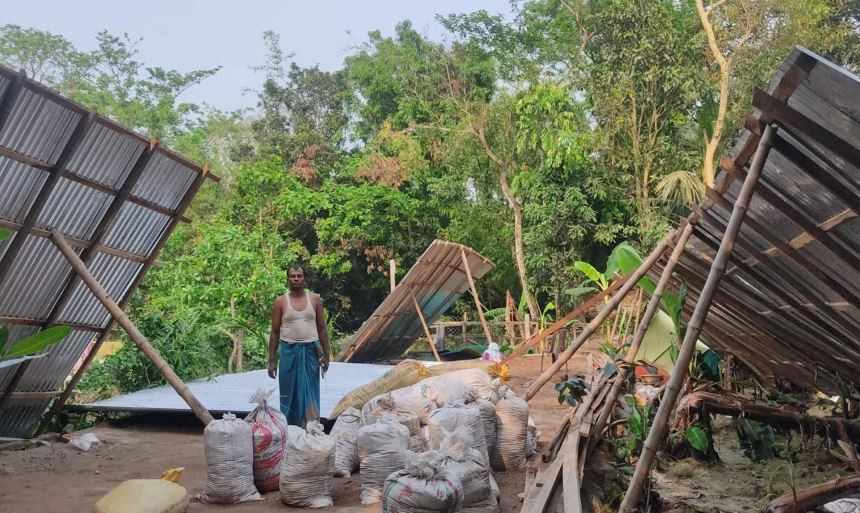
x: 29, y: 347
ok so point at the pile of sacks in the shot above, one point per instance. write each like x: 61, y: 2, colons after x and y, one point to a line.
x: 429, y: 446
x: 463, y: 423
x: 262, y: 454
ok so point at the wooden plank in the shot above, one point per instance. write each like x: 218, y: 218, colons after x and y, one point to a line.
x: 571, y: 484
x: 575, y: 313
x: 478, y: 305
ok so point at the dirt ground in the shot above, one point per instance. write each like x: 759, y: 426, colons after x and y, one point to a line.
x: 58, y: 478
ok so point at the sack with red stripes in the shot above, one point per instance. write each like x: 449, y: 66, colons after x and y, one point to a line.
x: 269, y: 430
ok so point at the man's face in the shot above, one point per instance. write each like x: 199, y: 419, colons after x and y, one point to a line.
x: 296, y: 279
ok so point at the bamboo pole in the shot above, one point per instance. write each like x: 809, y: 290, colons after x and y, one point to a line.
x: 561, y: 323
x: 424, y: 325
x: 639, y: 336
x: 99, y: 292
x: 475, y: 295
x: 697, y: 320
x: 595, y: 323
x: 392, y: 271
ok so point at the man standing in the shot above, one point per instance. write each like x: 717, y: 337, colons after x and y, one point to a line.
x: 298, y: 327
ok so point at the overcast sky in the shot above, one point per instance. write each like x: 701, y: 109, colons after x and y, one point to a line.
x: 192, y: 34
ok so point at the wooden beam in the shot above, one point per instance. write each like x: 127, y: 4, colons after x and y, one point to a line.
x: 136, y: 336
x: 595, y: 323
x: 424, y: 325
x: 573, y: 314
x: 694, y: 327
x: 811, y: 498
x: 478, y: 305
x: 392, y: 274
x: 42, y: 324
x: 802, y: 127
x: 79, y: 243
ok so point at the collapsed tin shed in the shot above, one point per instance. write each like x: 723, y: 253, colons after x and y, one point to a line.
x: 438, y: 278
x: 112, y: 194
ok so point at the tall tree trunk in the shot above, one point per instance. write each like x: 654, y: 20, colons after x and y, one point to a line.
x: 519, y: 254
x: 712, y: 143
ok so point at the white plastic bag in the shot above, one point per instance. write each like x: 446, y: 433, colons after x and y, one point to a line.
x: 85, y: 442
x: 269, y: 432
x: 449, y: 418
x: 229, y: 452
x: 424, y: 486
x: 474, y: 473
x: 512, y: 417
x: 344, y: 433
x: 308, y: 467
x: 493, y: 353
x: 382, y: 447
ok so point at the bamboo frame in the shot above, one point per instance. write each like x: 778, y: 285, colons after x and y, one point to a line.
x: 595, y: 323
x: 424, y: 325
x: 639, y: 336
x: 718, y: 268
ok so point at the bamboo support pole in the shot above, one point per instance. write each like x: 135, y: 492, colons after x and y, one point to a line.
x: 424, y: 325
x: 639, y: 336
x: 392, y: 272
x: 595, y: 323
x: 475, y: 295
x: 697, y: 320
x: 99, y: 292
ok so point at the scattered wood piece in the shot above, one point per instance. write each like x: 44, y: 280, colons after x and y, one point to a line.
x: 810, y: 498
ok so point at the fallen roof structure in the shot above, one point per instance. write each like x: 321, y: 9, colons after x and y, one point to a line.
x: 771, y: 256
x: 112, y: 194
x: 436, y: 280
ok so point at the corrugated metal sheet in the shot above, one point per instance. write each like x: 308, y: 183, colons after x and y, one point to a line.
x: 164, y: 180
x: 106, y: 156
x: 437, y: 279
x: 19, y: 186
x: 232, y: 392
x: 136, y: 229
x: 40, y: 126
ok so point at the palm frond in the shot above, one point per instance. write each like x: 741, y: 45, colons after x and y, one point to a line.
x: 683, y: 187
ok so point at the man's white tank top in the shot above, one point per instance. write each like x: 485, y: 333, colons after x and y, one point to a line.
x: 299, y: 326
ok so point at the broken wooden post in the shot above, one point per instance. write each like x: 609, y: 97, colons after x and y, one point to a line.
x: 811, y: 498
x: 424, y: 325
x: 694, y: 328
x: 639, y: 336
x: 129, y: 327
x: 595, y: 323
x: 475, y: 295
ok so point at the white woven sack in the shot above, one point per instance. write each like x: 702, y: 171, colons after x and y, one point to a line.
x: 453, y: 386
x: 269, y: 434
x: 488, y: 420
x: 344, y: 432
x: 512, y: 417
x: 417, y: 440
x: 229, y: 451
x: 424, y: 486
x: 382, y: 447
x: 532, y: 435
x: 452, y: 416
x: 308, y: 467
x: 466, y: 463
